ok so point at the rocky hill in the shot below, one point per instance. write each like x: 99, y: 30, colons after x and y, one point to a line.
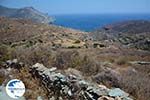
x: 130, y: 33
x: 25, y: 13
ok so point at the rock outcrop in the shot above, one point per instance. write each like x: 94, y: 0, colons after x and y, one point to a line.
x: 26, y: 13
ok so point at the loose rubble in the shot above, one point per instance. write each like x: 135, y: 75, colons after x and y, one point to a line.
x: 69, y: 87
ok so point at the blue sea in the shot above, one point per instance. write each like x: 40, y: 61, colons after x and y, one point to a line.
x: 90, y: 22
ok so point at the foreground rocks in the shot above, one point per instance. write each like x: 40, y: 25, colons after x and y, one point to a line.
x: 62, y: 86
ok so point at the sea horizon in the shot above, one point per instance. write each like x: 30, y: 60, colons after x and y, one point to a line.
x: 90, y: 22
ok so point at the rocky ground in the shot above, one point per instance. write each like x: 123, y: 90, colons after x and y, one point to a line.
x: 66, y: 64
x: 63, y: 86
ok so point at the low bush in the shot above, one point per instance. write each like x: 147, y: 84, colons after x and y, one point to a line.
x: 122, y: 61
x: 5, y: 53
x: 34, y: 55
x: 136, y: 84
x: 74, y: 59
x: 2, y: 78
x: 77, y: 41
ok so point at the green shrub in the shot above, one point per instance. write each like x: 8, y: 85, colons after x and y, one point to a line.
x: 1, y: 79
x: 77, y: 42
x: 122, y: 61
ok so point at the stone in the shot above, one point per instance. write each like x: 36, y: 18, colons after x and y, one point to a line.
x: 97, y: 90
x: 15, y: 61
x: 60, y: 98
x: 126, y: 98
x: 98, y: 45
x: 140, y: 62
x: 40, y: 98
x: 72, y: 77
x: 88, y: 96
x: 70, y: 93
x: 47, y: 72
x: 118, y: 98
x: 65, y: 89
x: 102, y: 86
x: 60, y: 76
x: 37, y: 65
x: 8, y: 62
x: 21, y: 64
x: 117, y: 92
x: 83, y: 84
x: 52, y: 69
x: 105, y: 98
x: 52, y: 98
x: 71, y: 71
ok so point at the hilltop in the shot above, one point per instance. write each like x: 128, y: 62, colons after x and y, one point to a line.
x: 29, y: 13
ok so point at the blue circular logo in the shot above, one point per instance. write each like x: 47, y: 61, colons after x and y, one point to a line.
x: 15, y: 88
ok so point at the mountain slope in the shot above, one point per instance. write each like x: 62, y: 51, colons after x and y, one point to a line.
x: 25, y: 13
x: 131, y: 33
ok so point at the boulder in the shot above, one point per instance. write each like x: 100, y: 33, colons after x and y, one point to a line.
x: 71, y: 71
x: 117, y: 92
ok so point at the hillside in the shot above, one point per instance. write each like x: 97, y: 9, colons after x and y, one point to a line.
x: 25, y: 13
x: 134, y: 34
x: 16, y: 32
x: 56, y: 62
x: 131, y: 26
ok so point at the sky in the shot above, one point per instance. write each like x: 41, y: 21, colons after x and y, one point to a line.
x: 53, y: 7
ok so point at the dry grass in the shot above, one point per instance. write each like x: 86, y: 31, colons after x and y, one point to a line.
x: 90, y: 63
x: 136, y: 84
x: 2, y: 78
x: 5, y: 53
x: 122, y: 61
x: 34, y: 55
x: 33, y: 86
x: 77, y: 60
